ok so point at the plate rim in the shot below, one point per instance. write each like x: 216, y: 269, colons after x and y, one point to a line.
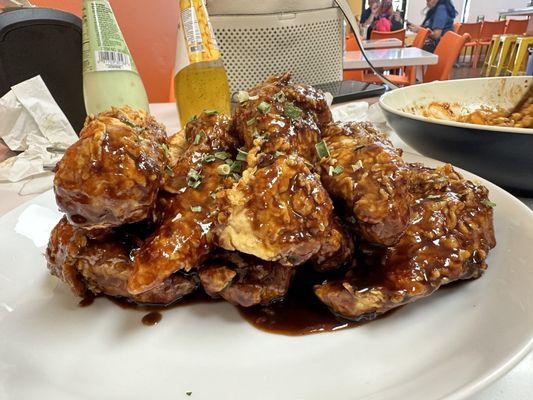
x: 485, y: 381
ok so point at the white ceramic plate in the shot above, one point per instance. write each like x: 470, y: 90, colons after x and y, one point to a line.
x: 446, y: 346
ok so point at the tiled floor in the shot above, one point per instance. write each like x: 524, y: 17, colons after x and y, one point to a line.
x: 465, y: 71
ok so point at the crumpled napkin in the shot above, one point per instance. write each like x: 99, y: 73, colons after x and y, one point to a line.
x: 361, y: 111
x: 32, y: 123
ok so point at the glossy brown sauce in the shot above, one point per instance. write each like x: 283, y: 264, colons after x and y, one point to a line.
x: 152, y: 318
x: 87, y: 300
x: 154, y: 311
x: 300, y: 313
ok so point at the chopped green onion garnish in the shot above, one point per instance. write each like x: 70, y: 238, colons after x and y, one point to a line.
x: 198, y: 137
x: 357, y: 166
x: 223, y: 169
x: 434, y: 197
x: 251, y: 121
x: 263, y: 107
x: 196, y: 209
x: 194, y: 184
x: 229, y: 161
x: 242, y: 155
x: 338, y: 170
x: 194, y: 179
x: 210, y: 112
x: 488, y: 203
x: 242, y: 96
x: 129, y: 123
x: 222, y: 155
x: 193, y: 174
x: 169, y: 170
x: 193, y: 118
x: 236, y: 166
x: 208, y: 158
x: 309, y: 165
x: 280, y: 97
x: 257, y: 135
x: 236, y: 176
x: 166, y: 150
x: 352, y: 220
x: 291, y: 111
x: 322, y: 149
x: 278, y: 153
x: 213, y: 195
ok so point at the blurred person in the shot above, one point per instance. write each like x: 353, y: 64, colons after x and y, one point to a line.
x: 369, y: 16
x: 439, y: 20
x: 388, y: 20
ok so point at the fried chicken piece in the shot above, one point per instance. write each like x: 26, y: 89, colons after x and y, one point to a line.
x: 367, y: 175
x: 281, y: 116
x: 281, y: 213
x: 185, y: 236
x: 245, y: 280
x: 104, y: 264
x: 65, y: 243
x: 337, y: 248
x: 448, y: 239
x: 112, y: 174
x: 305, y: 97
x: 177, y: 146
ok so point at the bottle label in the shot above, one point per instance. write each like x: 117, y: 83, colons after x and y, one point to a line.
x: 104, y: 48
x: 196, y: 38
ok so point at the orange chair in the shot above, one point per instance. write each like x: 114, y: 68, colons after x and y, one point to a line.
x: 456, y: 26
x: 149, y: 30
x: 474, y: 30
x: 351, y: 45
x: 488, y: 28
x: 448, y: 50
x: 420, y: 37
x: 399, y: 34
x: 516, y: 27
x: 409, y: 76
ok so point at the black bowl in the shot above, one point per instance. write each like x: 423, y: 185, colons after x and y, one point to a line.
x: 499, y: 154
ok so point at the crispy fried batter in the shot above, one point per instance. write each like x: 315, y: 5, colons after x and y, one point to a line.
x: 185, y: 236
x: 448, y: 238
x: 104, y: 265
x: 112, y: 174
x: 279, y: 212
x: 282, y: 117
x: 367, y: 175
x: 337, y: 248
x: 245, y: 280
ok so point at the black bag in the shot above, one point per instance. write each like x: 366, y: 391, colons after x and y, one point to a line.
x: 46, y: 42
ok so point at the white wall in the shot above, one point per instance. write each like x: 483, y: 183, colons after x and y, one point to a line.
x: 488, y: 8
x: 491, y: 8
x: 414, y: 13
x: 416, y: 10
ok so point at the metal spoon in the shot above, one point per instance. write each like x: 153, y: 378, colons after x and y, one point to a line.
x: 526, y: 98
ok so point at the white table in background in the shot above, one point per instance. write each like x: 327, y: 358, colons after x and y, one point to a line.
x: 516, y: 385
x: 382, y: 43
x: 389, y: 58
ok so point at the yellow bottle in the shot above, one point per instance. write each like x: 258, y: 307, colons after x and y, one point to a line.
x: 200, y: 80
